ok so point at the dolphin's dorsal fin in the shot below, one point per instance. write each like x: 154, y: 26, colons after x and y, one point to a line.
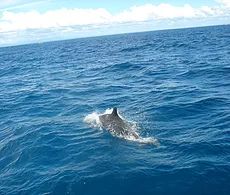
x: 114, y: 113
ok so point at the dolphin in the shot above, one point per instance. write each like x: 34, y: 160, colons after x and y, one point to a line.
x: 116, y: 125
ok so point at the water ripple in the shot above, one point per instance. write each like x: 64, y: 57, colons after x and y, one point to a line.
x: 174, y: 84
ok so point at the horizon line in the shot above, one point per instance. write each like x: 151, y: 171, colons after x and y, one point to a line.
x: 115, y: 34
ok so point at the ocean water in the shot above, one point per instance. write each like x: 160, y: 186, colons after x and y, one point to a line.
x: 174, y: 84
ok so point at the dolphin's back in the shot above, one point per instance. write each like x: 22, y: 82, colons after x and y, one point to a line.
x: 116, y: 125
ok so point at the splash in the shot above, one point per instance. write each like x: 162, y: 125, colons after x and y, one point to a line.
x: 93, y: 121
x: 93, y: 118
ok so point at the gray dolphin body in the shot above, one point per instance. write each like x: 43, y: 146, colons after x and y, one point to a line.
x: 113, y: 123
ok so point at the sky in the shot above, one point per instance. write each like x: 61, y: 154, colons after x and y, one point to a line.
x: 36, y: 21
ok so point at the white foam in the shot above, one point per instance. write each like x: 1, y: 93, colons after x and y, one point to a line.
x: 148, y: 140
x: 108, y: 111
x: 93, y: 120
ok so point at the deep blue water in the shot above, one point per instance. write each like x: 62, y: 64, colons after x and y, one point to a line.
x: 175, y: 84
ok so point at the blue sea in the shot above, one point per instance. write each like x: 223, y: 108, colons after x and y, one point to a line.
x: 173, y: 84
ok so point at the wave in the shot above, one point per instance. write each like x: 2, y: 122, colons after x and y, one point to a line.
x: 93, y: 121
x: 136, y: 48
